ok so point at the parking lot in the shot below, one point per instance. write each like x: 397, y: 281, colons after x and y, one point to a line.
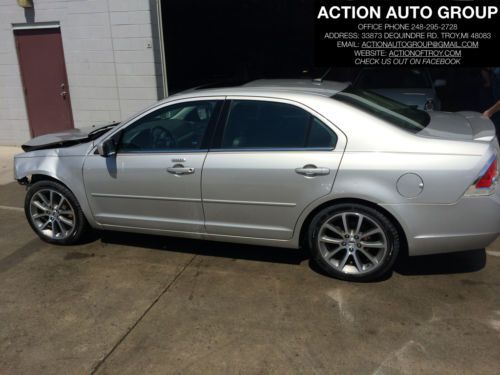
x: 127, y: 304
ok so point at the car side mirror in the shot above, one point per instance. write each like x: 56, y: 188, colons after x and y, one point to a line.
x: 107, y: 148
x: 439, y: 83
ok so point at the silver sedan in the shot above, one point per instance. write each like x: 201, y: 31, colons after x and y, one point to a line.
x: 352, y: 176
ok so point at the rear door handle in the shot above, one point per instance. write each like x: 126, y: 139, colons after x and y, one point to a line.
x: 180, y: 170
x: 312, y: 170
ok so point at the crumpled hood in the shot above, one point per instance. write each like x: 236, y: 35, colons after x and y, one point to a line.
x: 64, y: 139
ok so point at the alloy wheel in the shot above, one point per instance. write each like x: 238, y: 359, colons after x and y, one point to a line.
x: 352, y: 243
x: 52, y: 214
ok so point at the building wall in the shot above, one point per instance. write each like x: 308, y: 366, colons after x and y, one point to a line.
x: 112, y: 60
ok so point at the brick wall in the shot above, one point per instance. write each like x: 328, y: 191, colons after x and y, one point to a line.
x: 112, y: 60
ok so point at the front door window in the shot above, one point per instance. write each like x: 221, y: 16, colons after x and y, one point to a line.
x: 179, y: 127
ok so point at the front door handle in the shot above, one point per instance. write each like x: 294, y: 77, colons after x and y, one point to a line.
x: 311, y: 171
x: 179, y: 169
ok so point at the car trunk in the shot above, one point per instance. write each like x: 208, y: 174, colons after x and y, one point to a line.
x: 467, y: 126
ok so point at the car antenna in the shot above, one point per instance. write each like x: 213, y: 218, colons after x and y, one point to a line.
x: 320, y: 80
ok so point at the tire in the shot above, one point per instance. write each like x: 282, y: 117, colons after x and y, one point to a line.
x: 54, y: 213
x: 364, y: 251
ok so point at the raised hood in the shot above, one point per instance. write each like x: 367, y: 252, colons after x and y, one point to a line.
x: 459, y: 125
x: 66, y: 138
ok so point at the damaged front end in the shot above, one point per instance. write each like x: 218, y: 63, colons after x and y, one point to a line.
x: 23, y: 181
x: 57, y: 156
x: 67, y: 138
x: 63, y: 165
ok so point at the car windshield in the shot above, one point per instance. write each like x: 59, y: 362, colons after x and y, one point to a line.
x: 396, y: 113
x: 380, y: 78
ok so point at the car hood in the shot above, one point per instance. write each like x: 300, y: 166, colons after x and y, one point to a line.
x: 66, y: 138
x: 460, y: 126
x: 413, y: 97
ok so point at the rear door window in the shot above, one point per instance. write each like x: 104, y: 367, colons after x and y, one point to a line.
x: 253, y: 124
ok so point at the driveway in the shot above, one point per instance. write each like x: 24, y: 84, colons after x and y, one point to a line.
x: 129, y: 304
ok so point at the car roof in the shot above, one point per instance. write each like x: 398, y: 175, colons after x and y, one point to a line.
x: 327, y: 88
x: 271, y: 87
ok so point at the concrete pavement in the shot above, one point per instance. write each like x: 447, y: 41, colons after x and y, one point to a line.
x: 128, y: 304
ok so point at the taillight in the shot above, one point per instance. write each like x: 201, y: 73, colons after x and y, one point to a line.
x: 488, y: 178
x: 485, y: 184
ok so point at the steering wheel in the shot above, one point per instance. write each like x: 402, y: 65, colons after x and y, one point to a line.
x: 162, y: 138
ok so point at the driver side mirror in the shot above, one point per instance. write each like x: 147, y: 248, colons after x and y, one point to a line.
x: 107, y: 148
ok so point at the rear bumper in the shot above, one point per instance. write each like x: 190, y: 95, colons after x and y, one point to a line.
x: 470, y: 223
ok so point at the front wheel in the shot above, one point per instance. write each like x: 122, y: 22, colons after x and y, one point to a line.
x: 353, y: 242
x: 54, y: 213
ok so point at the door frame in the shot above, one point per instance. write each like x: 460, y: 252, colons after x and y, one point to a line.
x: 173, y: 155
x: 221, y: 125
x: 215, y: 150
x: 39, y: 26
x: 162, y: 104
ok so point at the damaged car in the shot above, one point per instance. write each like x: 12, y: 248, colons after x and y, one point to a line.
x: 354, y: 177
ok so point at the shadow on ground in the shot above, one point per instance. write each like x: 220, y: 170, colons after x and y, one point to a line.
x: 463, y: 262
x: 207, y: 248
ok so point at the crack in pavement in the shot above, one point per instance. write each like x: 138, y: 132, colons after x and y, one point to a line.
x: 11, y: 208
x: 20, y: 254
x: 165, y: 290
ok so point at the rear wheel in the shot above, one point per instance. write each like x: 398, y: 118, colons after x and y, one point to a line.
x: 353, y: 242
x: 54, y: 213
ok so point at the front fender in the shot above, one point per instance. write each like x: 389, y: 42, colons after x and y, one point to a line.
x: 67, y: 170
